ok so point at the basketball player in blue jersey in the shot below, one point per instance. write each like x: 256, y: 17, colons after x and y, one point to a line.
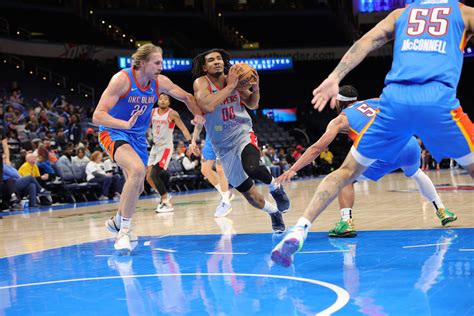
x: 124, y: 113
x: 230, y: 129
x: 419, y: 98
x: 354, y: 115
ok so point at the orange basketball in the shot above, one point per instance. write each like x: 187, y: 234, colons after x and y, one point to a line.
x: 246, y: 78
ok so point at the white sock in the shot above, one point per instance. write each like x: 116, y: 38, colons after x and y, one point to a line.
x: 269, y: 208
x: 273, y: 186
x: 226, y: 197
x: 427, y: 189
x: 118, y: 218
x: 218, y: 188
x: 303, y: 222
x: 125, y: 223
x: 346, y: 213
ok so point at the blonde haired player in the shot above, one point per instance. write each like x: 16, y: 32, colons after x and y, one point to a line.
x: 123, y: 114
x: 163, y: 121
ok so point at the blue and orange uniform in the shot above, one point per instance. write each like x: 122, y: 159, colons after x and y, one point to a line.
x: 137, y: 99
x: 359, y: 115
x: 419, y: 97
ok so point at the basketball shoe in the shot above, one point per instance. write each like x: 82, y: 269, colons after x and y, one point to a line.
x: 123, y: 241
x: 223, y: 209
x: 445, y: 216
x: 282, y: 253
x: 278, y: 225
x: 114, y: 227
x: 343, y: 229
x: 165, y: 206
x: 281, y: 199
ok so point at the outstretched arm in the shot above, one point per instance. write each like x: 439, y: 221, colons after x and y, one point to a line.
x: 169, y: 87
x: 337, y: 125
x: 378, y: 36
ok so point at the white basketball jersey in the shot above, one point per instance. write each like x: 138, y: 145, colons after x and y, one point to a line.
x: 162, y: 128
x: 229, y: 123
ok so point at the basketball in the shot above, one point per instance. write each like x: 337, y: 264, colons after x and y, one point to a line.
x: 247, y: 77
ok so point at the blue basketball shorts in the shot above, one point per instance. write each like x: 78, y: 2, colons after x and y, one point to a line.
x: 408, y: 161
x: 207, y: 151
x: 431, y: 112
x: 108, y: 141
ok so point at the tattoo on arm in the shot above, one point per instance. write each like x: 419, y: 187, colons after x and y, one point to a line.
x: 359, y: 51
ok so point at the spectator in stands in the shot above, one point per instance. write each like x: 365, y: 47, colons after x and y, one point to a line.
x: 298, y: 152
x: 179, y: 151
x: 190, y: 163
x: 92, y: 137
x: 66, y: 158
x: 326, y: 158
x: 52, y: 156
x: 25, y: 185
x: 44, y: 164
x: 85, y: 145
x: 278, y: 159
x: 96, y: 173
x: 32, y: 126
x: 16, y: 97
x: 289, y: 156
x: 61, y: 140
x: 266, y: 160
x: 14, y: 144
x: 30, y: 168
x: 74, y: 129
x: 81, y: 159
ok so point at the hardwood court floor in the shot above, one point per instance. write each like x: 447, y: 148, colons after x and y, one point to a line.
x: 393, y: 203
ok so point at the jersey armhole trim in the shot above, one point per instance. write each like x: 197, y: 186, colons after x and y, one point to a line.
x: 129, y: 84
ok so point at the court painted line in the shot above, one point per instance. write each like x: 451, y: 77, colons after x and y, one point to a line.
x: 323, y: 251
x: 103, y: 255
x: 58, y: 247
x: 427, y: 245
x: 165, y: 250
x: 226, y: 253
x: 466, y: 249
x: 341, y: 300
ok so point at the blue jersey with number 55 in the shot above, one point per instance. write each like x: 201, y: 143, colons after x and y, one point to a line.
x: 137, y: 99
x: 430, y: 37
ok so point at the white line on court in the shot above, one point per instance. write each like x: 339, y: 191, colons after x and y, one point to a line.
x: 323, y: 251
x: 165, y: 250
x: 341, y: 300
x: 226, y: 253
x: 466, y: 249
x: 427, y: 245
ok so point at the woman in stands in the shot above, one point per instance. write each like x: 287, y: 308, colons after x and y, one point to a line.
x: 95, y: 171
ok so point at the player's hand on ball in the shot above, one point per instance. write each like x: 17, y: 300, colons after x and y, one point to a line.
x: 233, y: 76
x: 256, y: 82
